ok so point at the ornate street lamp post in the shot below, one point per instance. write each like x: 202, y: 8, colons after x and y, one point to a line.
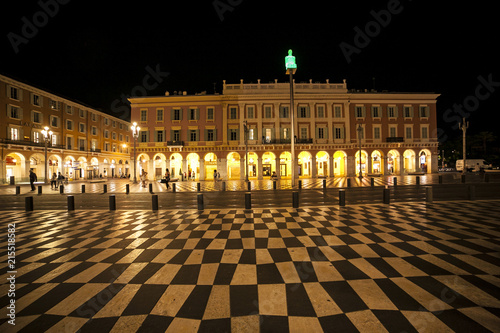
x: 246, y: 149
x: 464, y: 126
x: 360, y: 132
x: 291, y: 68
x: 47, y: 136
x: 135, y: 134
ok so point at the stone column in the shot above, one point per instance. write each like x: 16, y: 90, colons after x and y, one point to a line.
x: 351, y: 166
x: 277, y: 164
x: 202, y: 170
x: 314, y: 168
x: 259, y: 168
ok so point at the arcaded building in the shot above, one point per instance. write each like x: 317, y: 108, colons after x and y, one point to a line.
x: 395, y: 132
x: 85, y: 143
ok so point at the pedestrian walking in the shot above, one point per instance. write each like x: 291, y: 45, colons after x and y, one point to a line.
x: 144, y: 178
x: 215, y: 175
x: 193, y: 175
x: 53, y: 181
x: 60, y: 179
x: 33, y: 179
x: 167, y: 178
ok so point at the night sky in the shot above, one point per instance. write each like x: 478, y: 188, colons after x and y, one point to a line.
x: 96, y: 52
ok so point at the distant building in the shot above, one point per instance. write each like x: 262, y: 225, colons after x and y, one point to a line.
x: 86, y: 143
x: 203, y: 133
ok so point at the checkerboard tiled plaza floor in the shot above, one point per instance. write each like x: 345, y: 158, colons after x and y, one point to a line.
x: 401, y: 268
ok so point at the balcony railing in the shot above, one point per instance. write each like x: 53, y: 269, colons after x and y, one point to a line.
x: 286, y: 141
x: 94, y: 150
x: 175, y: 143
x: 30, y: 143
x: 395, y: 139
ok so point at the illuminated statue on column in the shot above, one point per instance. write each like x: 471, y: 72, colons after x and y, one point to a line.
x: 290, y: 61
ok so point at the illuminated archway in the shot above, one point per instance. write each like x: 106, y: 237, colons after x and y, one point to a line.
x: 393, y: 162
x: 268, y: 164
x: 81, y: 167
x: 15, y: 166
x: 210, y: 165
x: 409, y: 160
x: 68, y: 167
x: 304, y: 164
x: 193, y: 165
x: 286, y: 165
x: 233, y: 166
x: 364, y: 161
x: 37, y: 164
x: 339, y: 163
x: 175, y: 165
x: 377, y: 162
x: 159, y: 165
x: 252, y: 165
x: 142, y: 164
x: 425, y: 160
x: 322, y: 163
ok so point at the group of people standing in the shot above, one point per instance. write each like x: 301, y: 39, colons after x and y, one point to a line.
x: 55, y: 180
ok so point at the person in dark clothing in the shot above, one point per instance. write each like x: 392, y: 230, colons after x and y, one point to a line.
x: 33, y: 179
x: 167, y: 178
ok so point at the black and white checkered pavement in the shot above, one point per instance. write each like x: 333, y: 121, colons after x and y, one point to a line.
x: 374, y: 268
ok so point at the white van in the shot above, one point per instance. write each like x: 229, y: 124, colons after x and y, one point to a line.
x: 471, y: 164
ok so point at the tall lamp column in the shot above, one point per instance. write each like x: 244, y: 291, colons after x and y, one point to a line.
x: 291, y: 68
x: 135, y: 135
x: 47, y: 136
x: 360, y: 133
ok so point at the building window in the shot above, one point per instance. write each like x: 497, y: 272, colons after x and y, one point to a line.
x: 144, y: 136
x: 54, y: 105
x: 113, y: 135
x: 193, y: 135
x: 159, y: 136
x: 94, y: 130
x: 159, y: 114
x: 303, y: 112
x: 392, y: 132
x: 408, y: 111
x: 37, y: 117
x: 321, y: 133
x: 210, y: 113
x: 106, y: 134
x: 69, y: 142
x: 81, y: 144
x: 106, y: 146
x: 176, y: 135
x: 36, y: 100
x: 54, y: 121
x: 303, y: 133
x: 424, y: 111
x: 376, y: 111
x: 408, y: 133
x: 284, y: 112
x: 392, y: 112
x: 15, y: 112
x: 233, y: 134
x: 14, y: 93
x: 81, y: 127
x: 267, y: 112
x: 233, y: 113
x: 210, y: 135
x: 94, y: 117
x: 251, y: 134
x: 321, y: 111
x: 69, y: 109
x: 360, y: 133
x: 54, y: 139
x: 425, y: 134
x: 376, y: 132
x: 82, y: 113
x: 144, y: 115
x: 250, y: 112
x: 337, y: 111
x: 69, y: 125
x: 36, y: 137
x: 339, y: 133
x: 120, y: 137
x: 113, y: 148
x: 177, y: 115
x: 193, y: 114
x: 360, y: 111
x: 14, y: 133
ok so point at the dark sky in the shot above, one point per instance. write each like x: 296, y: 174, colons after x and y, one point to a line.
x: 96, y: 51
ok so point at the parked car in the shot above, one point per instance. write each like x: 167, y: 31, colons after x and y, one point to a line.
x: 472, y: 163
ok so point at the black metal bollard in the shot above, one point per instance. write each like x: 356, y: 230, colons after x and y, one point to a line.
x: 83, y: 188
x: 341, y: 197
x: 324, y: 184
x: 486, y: 178
x: 18, y: 189
x: 387, y: 195
x: 28, y: 204
x: 418, y: 180
x: 71, y: 203
x: 348, y: 182
x: 300, y: 184
x: 39, y: 189
x: 198, y: 187
x: 151, y: 188
x: 112, y: 202
x: 105, y: 188
x: 173, y: 188
x: 127, y: 188
x: 395, y: 181
x: 295, y: 199
x: 372, y: 182
x: 200, y: 202
x: 462, y: 178
x: 274, y: 184
x: 440, y: 179
x: 472, y: 192
x: 248, y: 200
x: 428, y: 194
x: 61, y: 189
x: 223, y: 186
x: 154, y: 199
x: 249, y: 186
